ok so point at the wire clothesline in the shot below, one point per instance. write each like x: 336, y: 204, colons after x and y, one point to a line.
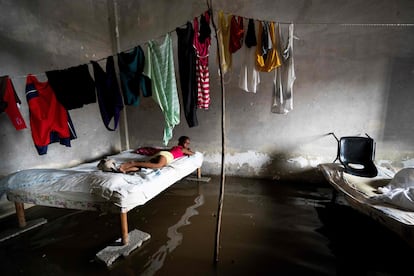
x: 378, y: 25
x: 104, y: 58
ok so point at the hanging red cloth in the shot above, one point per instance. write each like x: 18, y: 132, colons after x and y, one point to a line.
x: 236, y: 34
x: 9, y: 103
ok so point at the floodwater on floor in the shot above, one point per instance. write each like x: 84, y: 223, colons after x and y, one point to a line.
x: 268, y: 228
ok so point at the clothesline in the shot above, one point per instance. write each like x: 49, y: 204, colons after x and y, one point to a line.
x: 104, y: 58
x: 146, y: 42
x: 378, y: 25
x: 330, y: 23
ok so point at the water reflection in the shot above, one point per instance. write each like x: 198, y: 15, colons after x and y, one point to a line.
x: 156, y: 261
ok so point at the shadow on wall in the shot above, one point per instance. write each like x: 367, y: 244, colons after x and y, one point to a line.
x: 298, y: 160
x: 399, y: 112
x: 304, y: 166
x: 299, y: 169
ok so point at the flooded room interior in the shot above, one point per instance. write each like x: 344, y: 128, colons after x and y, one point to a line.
x: 206, y: 137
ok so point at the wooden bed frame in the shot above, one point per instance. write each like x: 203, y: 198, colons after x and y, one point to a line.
x: 19, y: 206
x: 401, y: 223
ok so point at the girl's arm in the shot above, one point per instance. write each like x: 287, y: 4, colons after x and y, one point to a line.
x: 187, y: 151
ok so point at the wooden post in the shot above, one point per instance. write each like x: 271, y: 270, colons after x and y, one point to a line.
x: 223, y: 142
x: 124, y: 228
x: 198, y: 173
x: 20, y: 214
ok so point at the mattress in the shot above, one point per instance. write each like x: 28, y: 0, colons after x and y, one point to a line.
x: 85, y: 187
x: 363, y: 193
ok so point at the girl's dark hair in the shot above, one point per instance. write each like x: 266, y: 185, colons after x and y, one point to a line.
x: 182, y: 140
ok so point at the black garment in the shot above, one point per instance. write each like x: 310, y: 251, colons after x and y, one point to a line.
x: 3, y: 103
x: 133, y: 81
x: 187, y: 71
x: 205, y: 30
x: 73, y: 87
x: 250, y: 39
x: 107, y: 90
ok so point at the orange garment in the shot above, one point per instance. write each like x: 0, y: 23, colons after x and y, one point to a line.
x: 266, y: 62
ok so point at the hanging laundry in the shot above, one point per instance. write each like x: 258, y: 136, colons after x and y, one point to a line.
x: 109, y: 95
x: 249, y: 76
x: 202, y: 50
x: 9, y: 103
x: 205, y: 30
x: 285, y: 74
x: 49, y: 120
x: 187, y: 71
x: 223, y: 35
x: 133, y: 81
x: 160, y: 68
x: 236, y: 33
x: 267, y: 54
x: 74, y: 87
x: 251, y: 40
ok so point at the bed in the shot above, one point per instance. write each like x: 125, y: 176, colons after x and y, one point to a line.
x: 385, y: 198
x: 85, y: 187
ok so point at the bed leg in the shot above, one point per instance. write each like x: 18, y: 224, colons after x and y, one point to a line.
x: 198, y: 172
x: 20, y: 214
x: 334, y: 196
x: 124, y: 228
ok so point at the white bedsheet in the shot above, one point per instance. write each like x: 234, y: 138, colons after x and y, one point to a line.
x: 86, y: 182
x: 364, y: 190
x: 400, y: 191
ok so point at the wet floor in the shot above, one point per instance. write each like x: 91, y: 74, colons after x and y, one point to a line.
x: 268, y: 228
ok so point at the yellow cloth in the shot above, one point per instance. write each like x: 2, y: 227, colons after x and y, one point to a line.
x: 273, y: 58
x: 224, y: 39
x: 168, y: 155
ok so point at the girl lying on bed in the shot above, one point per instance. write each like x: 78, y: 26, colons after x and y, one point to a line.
x: 161, y: 159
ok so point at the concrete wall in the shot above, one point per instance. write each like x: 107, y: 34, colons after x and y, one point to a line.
x: 37, y: 36
x: 351, y: 79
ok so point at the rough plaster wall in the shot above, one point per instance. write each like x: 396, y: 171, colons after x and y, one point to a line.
x: 36, y: 36
x: 351, y: 80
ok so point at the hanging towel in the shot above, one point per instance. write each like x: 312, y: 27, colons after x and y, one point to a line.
x: 133, y: 81
x: 73, y: 87
x: 267, y: 55
x: 187, y: 71
x: 160, y: 68
x: 202, y: 51
x: 249, y: 76
x: 236, y: 34
x: 9, y: 103
x: 49, y: 120
x: 285, y: 74
x: 223, y: 34
x: 107, y: 90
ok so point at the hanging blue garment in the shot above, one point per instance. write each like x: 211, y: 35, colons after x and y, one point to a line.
x: 108, y: 93
x: 133, y: 81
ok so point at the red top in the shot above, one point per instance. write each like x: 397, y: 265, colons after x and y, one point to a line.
x: 177, y: 152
